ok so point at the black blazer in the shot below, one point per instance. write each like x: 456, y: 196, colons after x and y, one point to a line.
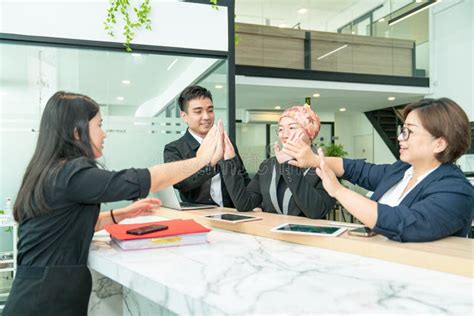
x: 305, y: 195
x: 197, y: 187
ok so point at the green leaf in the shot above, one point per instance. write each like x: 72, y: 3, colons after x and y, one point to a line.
x: 334, y: 150
x: 141, y: 18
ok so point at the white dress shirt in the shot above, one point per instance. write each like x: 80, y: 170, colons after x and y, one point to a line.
x: 394, y: 196
x: 216, y: 190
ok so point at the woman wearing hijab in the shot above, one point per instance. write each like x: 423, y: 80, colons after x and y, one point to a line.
x: 279, y: 187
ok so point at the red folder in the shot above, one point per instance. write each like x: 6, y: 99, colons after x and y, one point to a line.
x: 175, y: 227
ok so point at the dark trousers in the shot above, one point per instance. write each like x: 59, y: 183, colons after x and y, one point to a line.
x: 57, y: 290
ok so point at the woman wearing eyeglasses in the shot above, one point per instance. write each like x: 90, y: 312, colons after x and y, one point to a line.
x: 421, y: 197
x: 279, y: 187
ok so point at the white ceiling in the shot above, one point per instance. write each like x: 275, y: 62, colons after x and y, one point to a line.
x: 319, y: 16
x: 333, y: 96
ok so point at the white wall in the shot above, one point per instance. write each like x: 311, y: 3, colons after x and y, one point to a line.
x: 174, y: 24
x: 353, y: 131
x: 349, y: 126
x: 452, y: 58
x: 452, y: 52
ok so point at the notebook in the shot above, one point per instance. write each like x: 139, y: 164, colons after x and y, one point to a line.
x: 179, y: 233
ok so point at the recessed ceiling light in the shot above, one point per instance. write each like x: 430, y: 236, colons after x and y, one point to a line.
x: 219, y: 86
x: 382, y: 20
x: 277, y: 107
x: 391, y: 98
x: 353, y: 32
x: 342, y: 110
x: 316, y: 95
x: 136, y: 54
x: 120, y: 98
x: 302, y: 11
x: 126, y: 82
x: 418, y: 1
x: 282, y: 26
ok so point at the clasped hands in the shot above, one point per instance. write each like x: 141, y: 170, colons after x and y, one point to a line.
x: 302, y: 156
x: 216, y: 146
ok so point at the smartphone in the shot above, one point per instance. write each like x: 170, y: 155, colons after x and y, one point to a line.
x: 362, y: 231
x: 146, y: 229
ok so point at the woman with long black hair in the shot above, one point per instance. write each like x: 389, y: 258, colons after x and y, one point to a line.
x: 58, y: 205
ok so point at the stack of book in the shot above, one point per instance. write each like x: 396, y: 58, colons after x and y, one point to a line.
x: 179, y: 233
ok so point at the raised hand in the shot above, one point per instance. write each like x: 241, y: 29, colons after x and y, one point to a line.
x: 280, y: 155
x: 303, y: 156
x: 208, y: 146
x: 229, y: 151
x: 219, y: 152
x: 330, y: 182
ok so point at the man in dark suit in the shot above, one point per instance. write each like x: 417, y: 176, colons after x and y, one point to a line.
x: 205, y: 186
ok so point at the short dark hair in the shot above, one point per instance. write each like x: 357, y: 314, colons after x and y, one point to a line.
x: 191, y: 93
x: 444, y: 118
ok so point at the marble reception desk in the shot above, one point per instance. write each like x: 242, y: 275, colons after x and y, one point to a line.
x: 244, y: 274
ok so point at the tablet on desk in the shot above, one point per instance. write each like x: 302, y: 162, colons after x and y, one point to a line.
x: 315, y: 230
x: 232, y: 218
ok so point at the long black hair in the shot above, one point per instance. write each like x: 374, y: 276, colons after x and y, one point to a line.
x: 63, y: 136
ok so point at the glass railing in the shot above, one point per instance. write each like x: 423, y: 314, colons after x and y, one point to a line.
x: 367, y: 37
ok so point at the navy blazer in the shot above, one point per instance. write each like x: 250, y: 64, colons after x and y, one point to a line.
x: 439, y: 206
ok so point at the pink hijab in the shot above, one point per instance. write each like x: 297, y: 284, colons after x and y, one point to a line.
x: 304, y: 116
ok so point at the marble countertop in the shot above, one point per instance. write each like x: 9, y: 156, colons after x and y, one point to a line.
x: 242, y: 274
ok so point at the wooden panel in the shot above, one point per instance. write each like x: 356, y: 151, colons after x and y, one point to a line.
x: 270, y: 51
x: 250, y: 50
x: 359, y: 39
x: 270, y: 31
x: 356, y: 58
x: 284, y: 48
x: 451, y: 254
x: 283, y: 52
x: 402, y: 62
x: 340, y: 61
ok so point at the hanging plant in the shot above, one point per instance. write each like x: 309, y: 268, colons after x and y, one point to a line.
x: 131, y: 24
x: 214, y: 4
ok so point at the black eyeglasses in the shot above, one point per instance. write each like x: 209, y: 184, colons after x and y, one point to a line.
x: 403, y: 133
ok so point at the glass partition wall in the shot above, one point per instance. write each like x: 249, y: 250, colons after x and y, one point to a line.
x: 255, y: 141
x: 375, y: 37
x: 136, y: 92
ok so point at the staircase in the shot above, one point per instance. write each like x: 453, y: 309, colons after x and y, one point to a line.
x: 386, y: 122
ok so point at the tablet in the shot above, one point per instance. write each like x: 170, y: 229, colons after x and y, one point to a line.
x: 315, y: 230
x: 232, y: 218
